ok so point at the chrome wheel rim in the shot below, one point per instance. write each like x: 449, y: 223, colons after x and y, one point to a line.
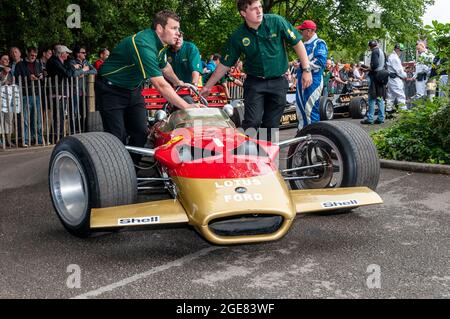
x: 68, y: 184
x: 363, y: 108
x: 325, y: 150
x: 330, y: 110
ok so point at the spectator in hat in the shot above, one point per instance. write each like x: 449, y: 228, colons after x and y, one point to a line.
x: 58, y: 69
x: 308, y: 98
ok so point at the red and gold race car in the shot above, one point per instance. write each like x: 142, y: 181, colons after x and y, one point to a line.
x: 225, y: 184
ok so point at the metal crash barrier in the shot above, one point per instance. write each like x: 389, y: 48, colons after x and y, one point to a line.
x: 41, y: 112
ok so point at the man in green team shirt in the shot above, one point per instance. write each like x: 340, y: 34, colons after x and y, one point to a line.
x: 261, y: 42
x: 134, y: 60
x: 185, y: 59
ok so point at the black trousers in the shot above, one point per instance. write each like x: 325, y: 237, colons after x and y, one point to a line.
x: 264, y: 100
x: 123, y: 113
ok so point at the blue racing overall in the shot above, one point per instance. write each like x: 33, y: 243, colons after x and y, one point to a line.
x: 308, y: 100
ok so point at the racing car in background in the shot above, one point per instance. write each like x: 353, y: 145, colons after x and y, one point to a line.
x: 223, y: 183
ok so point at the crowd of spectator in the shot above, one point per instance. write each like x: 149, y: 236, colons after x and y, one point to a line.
x: 30, y: 69
x: 28, y: 72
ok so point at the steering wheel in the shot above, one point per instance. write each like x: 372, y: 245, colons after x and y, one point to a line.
x: 192, y: 90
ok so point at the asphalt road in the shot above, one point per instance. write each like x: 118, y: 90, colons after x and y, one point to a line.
x: 396, y: 250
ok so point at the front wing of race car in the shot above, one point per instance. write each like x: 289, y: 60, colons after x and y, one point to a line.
x: 234, y: 211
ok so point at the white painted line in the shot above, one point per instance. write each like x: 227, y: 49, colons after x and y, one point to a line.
x: 129, y: 280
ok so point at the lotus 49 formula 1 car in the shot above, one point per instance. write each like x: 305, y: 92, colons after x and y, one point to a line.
x: 223, y: 183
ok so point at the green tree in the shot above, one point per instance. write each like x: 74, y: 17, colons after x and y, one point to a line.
x: 342, y: 23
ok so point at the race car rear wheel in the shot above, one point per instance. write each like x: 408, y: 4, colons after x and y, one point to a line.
x: 349, y: 156
x: 91, y: 170
x: 358, y: 107
x: 326, y: 109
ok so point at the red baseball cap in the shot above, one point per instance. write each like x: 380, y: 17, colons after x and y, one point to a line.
x: 307, y: 24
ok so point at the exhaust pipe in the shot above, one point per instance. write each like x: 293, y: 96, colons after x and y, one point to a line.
x: 294, y: 141
x: 141, y: 150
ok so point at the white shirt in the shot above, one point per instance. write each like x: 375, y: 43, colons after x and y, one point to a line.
x: 395, y: 65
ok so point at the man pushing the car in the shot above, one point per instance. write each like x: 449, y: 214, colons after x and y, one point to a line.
x: 134, y: 60
x: 261, y: 39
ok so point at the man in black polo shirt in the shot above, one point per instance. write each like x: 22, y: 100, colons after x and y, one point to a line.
x: 134, y: 60
x: 261, y: 40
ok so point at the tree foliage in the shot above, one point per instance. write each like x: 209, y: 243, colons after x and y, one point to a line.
x: 342, y: 23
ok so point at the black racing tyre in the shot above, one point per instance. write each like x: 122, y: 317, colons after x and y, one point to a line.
x: 90, y: 170
x: 94, y: 122
x: 326, y: 109
x: 238, y: 113
x: 348, y: 151
x: 358, y: 107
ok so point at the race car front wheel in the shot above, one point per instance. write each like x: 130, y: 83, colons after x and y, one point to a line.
x: 339, y: 154
x: 326, y: 109
x: 91, y: 170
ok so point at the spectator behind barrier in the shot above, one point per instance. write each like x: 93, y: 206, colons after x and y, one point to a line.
x: 45, y: 56
x: 31, y: 70
x: 6, y: 80
x: 15, y: 57
x: 56, y: 66
x: 103, y: 55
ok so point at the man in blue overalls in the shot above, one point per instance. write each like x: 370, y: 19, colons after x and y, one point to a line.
x: 308, y: 99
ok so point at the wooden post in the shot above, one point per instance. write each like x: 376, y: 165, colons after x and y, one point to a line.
x: 91, y: 93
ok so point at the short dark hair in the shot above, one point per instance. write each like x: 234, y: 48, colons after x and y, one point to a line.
x: 78, y: 48
x: 102, y: 50
x: 243, y: 4
x: 216, y: 56
x: 373, y: 43
x: 30, y: 49
x: 162, y: 17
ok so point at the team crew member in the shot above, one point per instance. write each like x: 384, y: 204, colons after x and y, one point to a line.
x: 308, y: 98
x: 185, y: 59
x: 134, y: 60
x: 261, y: 40
x: 396, y: 87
